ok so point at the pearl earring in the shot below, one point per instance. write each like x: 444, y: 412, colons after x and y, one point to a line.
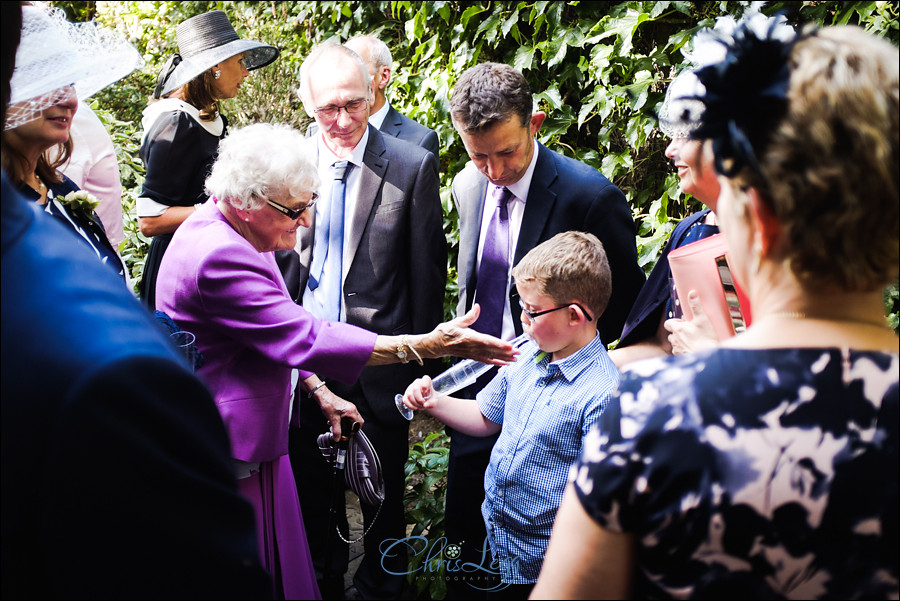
x: 217, y: 74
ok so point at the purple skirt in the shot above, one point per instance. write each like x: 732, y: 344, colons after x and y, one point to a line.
x: 279, y: 526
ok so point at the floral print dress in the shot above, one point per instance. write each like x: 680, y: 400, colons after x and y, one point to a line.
x: 752, y: 474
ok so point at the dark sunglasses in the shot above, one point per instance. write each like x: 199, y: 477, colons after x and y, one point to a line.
x: 533, y: 316
x: 293, y: 213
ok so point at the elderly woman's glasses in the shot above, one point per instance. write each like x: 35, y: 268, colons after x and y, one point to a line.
x: 533, y: 316
x: 293, y: 213
x: 331, y: 111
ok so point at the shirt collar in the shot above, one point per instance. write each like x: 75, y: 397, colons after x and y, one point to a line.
x: 356, y: 155
x: 572, y: 365
x: 377, y: 119
x: 521, y: 187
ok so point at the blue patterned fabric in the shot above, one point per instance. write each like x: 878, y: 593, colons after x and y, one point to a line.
x: 546, y: 410
x: 752, y: 474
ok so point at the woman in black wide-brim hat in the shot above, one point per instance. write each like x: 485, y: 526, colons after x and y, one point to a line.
x: 182, y: 126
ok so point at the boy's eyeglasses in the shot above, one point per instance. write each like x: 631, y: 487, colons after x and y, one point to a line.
x: 293, y: 213
x: 533, y: 316
x: 331, y: 111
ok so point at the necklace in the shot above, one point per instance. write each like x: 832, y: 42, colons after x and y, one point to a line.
x: 799, y: 315
x: 40, y: 187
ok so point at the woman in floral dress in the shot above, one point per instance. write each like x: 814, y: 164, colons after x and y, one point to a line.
x: 767, y: 468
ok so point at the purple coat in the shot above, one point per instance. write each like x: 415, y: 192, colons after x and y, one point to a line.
x: 215, y: 284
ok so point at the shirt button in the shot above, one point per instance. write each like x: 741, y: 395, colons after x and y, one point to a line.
x: 499, y: 493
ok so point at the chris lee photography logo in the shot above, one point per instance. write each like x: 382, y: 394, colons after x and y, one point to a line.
x: 440, y: 559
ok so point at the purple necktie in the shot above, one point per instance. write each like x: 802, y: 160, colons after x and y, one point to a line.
x: 493, y: 273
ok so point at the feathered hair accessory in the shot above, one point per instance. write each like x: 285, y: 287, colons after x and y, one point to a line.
x: 746, y: 79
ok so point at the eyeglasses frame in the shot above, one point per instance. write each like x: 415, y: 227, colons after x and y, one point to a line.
x: 320, y: 110
x: 533, y: 316
x: 292, y: 213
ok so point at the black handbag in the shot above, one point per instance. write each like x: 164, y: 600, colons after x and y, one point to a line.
x: 363, y: 468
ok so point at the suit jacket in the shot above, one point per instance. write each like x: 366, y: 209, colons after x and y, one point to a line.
x: 214, y: 283
x: 395, y: 260
x: 400, y: 126
x: 565, y: 195
x: 116, y: 468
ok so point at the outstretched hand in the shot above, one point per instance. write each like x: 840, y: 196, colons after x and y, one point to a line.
x: 692, y: 336
x: 454, y: 338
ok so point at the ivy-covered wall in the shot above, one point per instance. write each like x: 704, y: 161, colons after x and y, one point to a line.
x: 598, y: 69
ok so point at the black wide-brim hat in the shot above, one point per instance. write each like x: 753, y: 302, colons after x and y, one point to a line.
x: 208, y: 39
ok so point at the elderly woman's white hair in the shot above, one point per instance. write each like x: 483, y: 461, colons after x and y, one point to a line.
x: 263, y: 161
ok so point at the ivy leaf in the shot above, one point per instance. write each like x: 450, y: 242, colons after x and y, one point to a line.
x: 468, y: 14
x: 509, y: 23
x: 443, y: 11
x: 560, y: 54
x: 524, y: 58
x: 420, y: 19
x: 624, y: 28
x: 551, y: 96
x: 489, y: 28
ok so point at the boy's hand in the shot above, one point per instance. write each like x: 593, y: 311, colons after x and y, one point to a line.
x: 419, y: 395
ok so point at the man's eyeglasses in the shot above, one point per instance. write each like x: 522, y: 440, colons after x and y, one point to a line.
x: 533, y: 316
x: 331, y: 111
x: 293, y: 213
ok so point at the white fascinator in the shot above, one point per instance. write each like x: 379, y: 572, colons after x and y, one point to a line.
x: 55, y: 54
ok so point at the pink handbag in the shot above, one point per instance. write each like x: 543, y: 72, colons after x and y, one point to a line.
x: 703, y: 266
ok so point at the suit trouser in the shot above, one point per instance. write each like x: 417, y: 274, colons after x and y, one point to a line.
x: 378, y: 577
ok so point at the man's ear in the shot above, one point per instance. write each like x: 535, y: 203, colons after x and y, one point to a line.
x: 385, y: 71
x: 537, y: 119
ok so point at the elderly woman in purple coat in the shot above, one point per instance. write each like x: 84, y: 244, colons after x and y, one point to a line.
x: 219, y: 280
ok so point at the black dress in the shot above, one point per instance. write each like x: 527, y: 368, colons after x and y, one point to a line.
x: 178, y: 153
x: 86, y: 227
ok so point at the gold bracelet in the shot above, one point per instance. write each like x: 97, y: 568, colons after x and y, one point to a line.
x: 414, y: 351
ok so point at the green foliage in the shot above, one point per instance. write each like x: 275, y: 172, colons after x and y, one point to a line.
x: 598, y: 69
x: 426, y: 483
x: 892, y: 305
x: 126, y: 139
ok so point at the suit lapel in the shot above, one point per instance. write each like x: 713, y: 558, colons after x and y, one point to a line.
x: 470, y: 196
x: 392, y: 123
x: 539, y: 204
x: 372, y: 173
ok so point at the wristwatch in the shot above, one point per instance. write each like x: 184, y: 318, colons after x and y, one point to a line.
x: 403, y: 350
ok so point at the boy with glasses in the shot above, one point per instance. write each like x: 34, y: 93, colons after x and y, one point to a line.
x: 546, y: 402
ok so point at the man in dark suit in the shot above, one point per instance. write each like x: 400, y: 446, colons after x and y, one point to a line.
x: 117, y: 476
x: 390, y: 280
x: 379, y: 62
x: 492, y: 110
